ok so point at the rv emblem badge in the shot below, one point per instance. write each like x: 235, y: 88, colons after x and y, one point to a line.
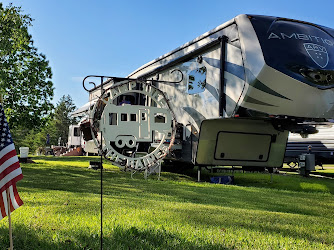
x: 133, y: 135
x: 318, y: 54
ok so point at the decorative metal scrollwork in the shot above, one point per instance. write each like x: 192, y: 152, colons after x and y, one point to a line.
x: 118, y: 79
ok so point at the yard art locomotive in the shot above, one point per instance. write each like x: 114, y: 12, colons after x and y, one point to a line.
x: 228, y: 97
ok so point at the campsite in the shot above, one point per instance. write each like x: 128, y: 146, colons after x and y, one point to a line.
x: 176, y: 212
x: 166, y: 125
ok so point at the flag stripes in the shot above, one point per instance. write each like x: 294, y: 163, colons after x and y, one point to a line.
x: 15, y: 201
x: 10, y: 171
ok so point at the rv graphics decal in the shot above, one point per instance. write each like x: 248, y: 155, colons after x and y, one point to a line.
x: 318, y: 54
x: 298, y: 36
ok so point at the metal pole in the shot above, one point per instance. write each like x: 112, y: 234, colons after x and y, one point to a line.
x: 101, y: 175
x: 101, y: 196
x: 199, y: 174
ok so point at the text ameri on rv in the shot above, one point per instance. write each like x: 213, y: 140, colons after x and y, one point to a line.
x: 228, y: 97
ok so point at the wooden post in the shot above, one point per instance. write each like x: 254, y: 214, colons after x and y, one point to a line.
x: 9, y: 221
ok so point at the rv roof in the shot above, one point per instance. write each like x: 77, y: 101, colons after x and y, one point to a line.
x: 220, y: 27
x: 82, y: 110
x: 199, y: 38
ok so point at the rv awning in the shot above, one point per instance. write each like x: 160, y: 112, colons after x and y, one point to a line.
x: 82, y: 110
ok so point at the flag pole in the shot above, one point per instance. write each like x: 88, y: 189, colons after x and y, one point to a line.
x: 9, y: 222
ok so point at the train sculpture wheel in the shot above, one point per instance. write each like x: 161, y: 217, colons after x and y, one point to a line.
x: 135, y: 135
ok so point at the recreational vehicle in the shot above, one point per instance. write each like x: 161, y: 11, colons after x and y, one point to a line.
x: 321, y: 145
x: 230, y: 97
x: 76, y: 138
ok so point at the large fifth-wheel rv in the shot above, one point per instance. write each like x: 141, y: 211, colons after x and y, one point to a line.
x: 229, y: 97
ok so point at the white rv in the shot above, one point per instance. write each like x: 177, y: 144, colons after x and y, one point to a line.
x: 233, y: 95
x: 74, y: 136
x: 320, y: 144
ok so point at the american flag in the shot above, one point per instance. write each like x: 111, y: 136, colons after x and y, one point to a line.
x: 10, y: 171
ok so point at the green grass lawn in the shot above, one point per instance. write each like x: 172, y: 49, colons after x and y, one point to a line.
x: 62, y: 210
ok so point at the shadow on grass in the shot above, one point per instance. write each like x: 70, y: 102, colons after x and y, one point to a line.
x: 138, y: 193
x: 119, y: 185
x: 234, y: 197
x: 120, y: 238
x: 135, y: 238
x: 279, y: 181
x: 254, y: 221
x: 29, y: 239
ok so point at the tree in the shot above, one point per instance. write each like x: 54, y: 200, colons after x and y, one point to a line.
x: 24, y: 73
x: 56, y: 126
x: 62, y: 118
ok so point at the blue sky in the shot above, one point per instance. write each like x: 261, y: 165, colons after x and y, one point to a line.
x: 82, y: 37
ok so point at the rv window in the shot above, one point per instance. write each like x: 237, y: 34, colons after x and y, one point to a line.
x: 196, y: 81
x: 76, y: 132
